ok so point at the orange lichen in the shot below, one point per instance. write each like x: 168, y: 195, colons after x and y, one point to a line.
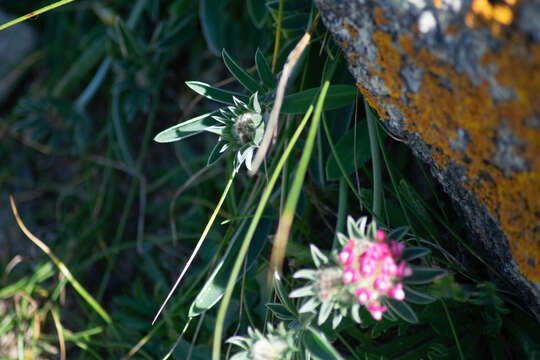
x: 438, y: 3
x: 351, y: 30
x: 494, y: 14
x: 437, y: 112
x: 378, y: 16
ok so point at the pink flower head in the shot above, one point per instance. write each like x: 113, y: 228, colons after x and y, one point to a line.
x: 388, y: 266
x: 397, y: 292
x: 350, y: 275
x: 376, y: 311
x: 346, y: 256
x: 403, y: 270
x: 363, y: 296
x: 350, y: 244
x: 397, y: 248
x: 382, y: 283
x: 378, y: 251
x: 380, y: 235
x: 367, y: 265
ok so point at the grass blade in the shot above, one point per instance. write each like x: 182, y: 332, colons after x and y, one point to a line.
x: 63, y: 268
x: 35, y: 13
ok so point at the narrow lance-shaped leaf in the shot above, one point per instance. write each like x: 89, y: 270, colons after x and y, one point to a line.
x: 128, y: 44
x: 403, y: 310
x: 424, y: 275
x: 215, y: 94
x: 264, y: 71
x: 240, y: 74
x: 417, y: 297
x: 414, y: 252
x: 319, y: 346
x: 186, y: 129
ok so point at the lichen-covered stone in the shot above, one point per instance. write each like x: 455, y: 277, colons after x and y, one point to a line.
x: 458, y: 81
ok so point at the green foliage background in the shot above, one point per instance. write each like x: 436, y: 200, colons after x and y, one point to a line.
x: 77, y: 154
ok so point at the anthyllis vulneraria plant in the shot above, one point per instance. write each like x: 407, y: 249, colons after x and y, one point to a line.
x: 372, y: 269
x: 277, y: 344
x: 240, y: 126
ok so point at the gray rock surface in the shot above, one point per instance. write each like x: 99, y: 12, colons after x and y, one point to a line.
x: 458, y: 80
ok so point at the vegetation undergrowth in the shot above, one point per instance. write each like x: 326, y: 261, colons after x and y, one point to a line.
x: 273, y: 217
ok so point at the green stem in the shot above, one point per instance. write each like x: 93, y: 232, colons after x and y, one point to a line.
x: 249, y: 235
x: 375, y: 161
x: 199, y: 244
x: 342, y: 210
x: 285, y: 223
x: 35, y: 13
x: 456, y: 339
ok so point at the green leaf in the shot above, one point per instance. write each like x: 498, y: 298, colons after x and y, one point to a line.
x: 309, y: 305
x: 257, y: 12
x: 264, y: 71
x: 414, y: 252
x: 324, y: 311
x: 337, y: 96
x: 212, y: 23
x: 240, y: 74
x: 318, y: 345
x: 417, y: 297
x: 307, y: 290
x: 214, y: 288
x: 216, y: 94
x: 128, y: 45
x: 280, y: 311
x: 398, y: 233
x: 308, y: 274
x: 217, y: 152
x: 318, y: 257
x: 345, y: 153
x: 186, y: 129
x: 282, y: 294
x: 403, y: 310
x: 424, y: 275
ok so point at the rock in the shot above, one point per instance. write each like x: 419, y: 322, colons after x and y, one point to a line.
x: 15, y: 43
x: 458, y: 81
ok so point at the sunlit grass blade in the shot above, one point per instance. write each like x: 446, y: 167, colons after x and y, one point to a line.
x: 251, y: 231
x: 61, y: 266
x: 35, y: 13
x: 198, y: 246
x: 285, y: 223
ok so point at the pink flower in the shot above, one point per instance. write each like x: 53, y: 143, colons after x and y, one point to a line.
x: 397, y: 292
x: 346, y: 256
x: 350, y: 244
x: 382, y: 283
x: 376, y: 311
x: 367, y: 265
x: 350, y: 275
x: 380, y: 235
x: 363, y: 296
x: 403, y: 270
x: 388, y: 266
x: 378, y: 251
x: 397, y: 248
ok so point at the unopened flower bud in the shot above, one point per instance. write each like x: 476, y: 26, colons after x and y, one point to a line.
x: 403, y: 270
x: 350, y: 275
x: 376, y: 311
x: 397, y: 292
x: 367, y: 265
x: 382, y: 283
x: 346, y: 256
x: 388, y: 266
x: 378, y: 251
x: 397, y: 248
x: 380, y: 235
x: 363, y: 296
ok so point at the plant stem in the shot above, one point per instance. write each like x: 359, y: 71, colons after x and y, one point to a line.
x: 375, y: 161
x: 456, y: 339
x: 216, y: 350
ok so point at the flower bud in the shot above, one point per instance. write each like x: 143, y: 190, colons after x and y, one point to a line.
x: 350, y: 275
x: 397, y: 292
x: 367, y: 265
x: 397, y: 248
x: 376, y: 311
x: 363, y: 296
x: 378, y: 251
x: 382, y: 283
x: 380, y: 235
x: 346, y: 256
x: 388, y: 266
